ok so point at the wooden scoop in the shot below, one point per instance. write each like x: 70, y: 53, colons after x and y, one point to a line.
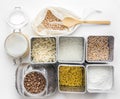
x: 69, y: 22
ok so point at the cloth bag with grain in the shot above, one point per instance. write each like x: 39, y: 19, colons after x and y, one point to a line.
x: 49, y: 22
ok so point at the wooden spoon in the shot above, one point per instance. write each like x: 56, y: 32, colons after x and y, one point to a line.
x: 69, y: 22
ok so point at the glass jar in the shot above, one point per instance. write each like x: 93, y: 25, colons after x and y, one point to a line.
x: 17, y: 43
x: 49, y: 76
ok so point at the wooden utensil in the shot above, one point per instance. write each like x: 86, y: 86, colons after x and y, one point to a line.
x: 69, y: 22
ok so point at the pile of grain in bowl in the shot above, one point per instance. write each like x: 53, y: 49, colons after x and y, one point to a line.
x: 34, y: 82
x: 98, y: 48
x: 43, y: 49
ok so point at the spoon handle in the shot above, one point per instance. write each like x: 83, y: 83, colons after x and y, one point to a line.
x: 95, y: 22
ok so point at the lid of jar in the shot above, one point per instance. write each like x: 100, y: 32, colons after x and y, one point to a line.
x: 17, y: 18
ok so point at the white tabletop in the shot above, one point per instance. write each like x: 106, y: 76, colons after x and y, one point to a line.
x: 110, y: 11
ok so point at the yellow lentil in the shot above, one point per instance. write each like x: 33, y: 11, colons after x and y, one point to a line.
x: 72, y: 76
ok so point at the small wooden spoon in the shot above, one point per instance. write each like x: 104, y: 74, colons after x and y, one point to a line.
x: 69, y: 22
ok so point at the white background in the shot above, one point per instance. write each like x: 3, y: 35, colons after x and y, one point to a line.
x: 110, y: 11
